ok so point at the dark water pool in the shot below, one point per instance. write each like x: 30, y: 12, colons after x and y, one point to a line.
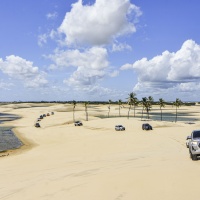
x: 185, y: 117
x: 8, y: 140
x: 171, y: 117
x: 7, y: 117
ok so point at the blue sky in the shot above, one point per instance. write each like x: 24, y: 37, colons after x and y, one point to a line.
x: 99, y: 50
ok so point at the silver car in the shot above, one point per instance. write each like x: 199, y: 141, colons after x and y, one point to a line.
x: 194, y: 144
x: 119, y: 128
x: 78, y: 123
x: 187, y: 141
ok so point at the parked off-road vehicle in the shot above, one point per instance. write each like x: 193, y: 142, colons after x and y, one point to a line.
x: 119, y: 128
x: 37, y: 125
x: 78, y: 123
x: 194, y: 144
x: 187, y: 141
x: 146, y: 127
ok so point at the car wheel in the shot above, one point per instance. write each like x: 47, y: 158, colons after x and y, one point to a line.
x: 193, y: 157
x: 190, y: 154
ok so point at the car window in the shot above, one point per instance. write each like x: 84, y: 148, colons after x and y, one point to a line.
x: 196, y: 134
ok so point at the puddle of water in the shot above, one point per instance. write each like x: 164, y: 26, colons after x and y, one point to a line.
x: 156, y: 116
x: 8, y: 140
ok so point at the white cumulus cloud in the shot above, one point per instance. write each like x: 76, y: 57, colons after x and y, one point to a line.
x: 91, y: 65
x: 84, y: 77
x: 99, y: 23
x: 178, y: 70
x: 19, y: 68
x: 189, y: 87
x: 93, y: 58
x: 5, y: 85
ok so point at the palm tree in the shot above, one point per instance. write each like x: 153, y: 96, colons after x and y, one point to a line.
x: 162, y: 104
x: 150, y: 102
x: 131, y: 98
x: 109, y: 101
x: 177, y: 103
x: 74, y: 106
x: 146, y: 104
x: 135, y: 103
x: 119, y: 103
x: 86, y: 106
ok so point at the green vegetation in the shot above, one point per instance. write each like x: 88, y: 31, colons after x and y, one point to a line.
x: 146, y: 105
x: 177, y: 103
x: 132, y: 100
x: 162, y: 105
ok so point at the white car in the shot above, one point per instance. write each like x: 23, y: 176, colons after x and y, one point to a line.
x: 194, y: 144
x: 119, y: 128
x: 187, y: 141
x: 78, y: 123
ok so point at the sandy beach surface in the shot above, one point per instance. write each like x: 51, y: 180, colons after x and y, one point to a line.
x: 94, y: 162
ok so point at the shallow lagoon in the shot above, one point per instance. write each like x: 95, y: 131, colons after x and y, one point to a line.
x: 172, y: 117
x: 8, y: 140
x: 7, y: 117
x: 185, y: 117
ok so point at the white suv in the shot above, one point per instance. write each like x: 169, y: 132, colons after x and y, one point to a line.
x: 119, y: 128
x: 78, y: 123
x: 194, y: 144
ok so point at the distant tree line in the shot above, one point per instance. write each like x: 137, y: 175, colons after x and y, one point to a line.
x: 92, y: 102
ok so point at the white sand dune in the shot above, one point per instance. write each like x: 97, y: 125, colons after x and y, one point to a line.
x: 61, y: 161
